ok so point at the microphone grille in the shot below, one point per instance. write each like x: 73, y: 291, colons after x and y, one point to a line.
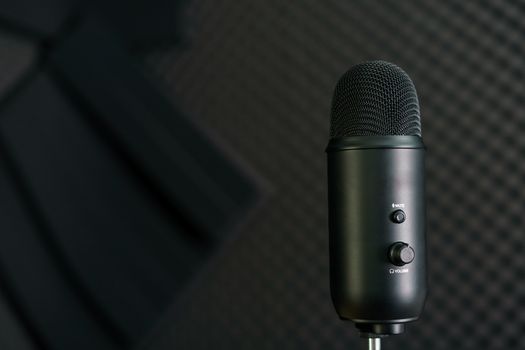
x: 375, y: 98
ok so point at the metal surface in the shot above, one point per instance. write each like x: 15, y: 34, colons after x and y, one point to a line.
x: 364, y: 187
x: 374, y: 343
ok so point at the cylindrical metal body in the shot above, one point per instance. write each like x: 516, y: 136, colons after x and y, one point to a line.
x: 374, y: 343
x: 369, y: 178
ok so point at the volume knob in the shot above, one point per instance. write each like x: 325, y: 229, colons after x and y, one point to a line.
x: 401, y: 253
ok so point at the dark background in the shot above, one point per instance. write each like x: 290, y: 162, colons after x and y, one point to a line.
x: 162, y: 170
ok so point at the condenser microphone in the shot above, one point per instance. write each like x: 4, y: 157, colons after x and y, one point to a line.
x: 376, y: 200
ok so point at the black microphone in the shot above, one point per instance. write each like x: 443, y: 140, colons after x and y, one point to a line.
x: 376, y: 200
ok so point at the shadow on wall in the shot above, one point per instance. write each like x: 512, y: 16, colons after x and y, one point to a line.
x: 111, y: 200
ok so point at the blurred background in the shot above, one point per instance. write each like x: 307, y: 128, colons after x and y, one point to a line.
x: 162, y: 170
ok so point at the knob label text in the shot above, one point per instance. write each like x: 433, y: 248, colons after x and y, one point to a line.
x: 398, y: 205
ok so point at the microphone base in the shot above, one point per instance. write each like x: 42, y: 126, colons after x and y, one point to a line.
x: 379, y: 330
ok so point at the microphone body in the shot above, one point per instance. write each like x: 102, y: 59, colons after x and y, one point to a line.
x: 376, y: 195
x: 369, y: 179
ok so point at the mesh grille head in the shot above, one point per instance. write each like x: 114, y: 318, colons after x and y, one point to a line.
x: 375, y: 98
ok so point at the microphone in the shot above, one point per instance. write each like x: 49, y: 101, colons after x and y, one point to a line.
x: 376, y: 200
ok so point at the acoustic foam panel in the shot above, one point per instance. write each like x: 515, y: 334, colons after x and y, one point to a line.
x: 260, y: 76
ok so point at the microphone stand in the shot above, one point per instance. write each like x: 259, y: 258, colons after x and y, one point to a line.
x: 374, y: 343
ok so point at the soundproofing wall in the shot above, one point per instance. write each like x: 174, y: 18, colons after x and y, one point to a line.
x: 163, y: 175
x: 260, y: 76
